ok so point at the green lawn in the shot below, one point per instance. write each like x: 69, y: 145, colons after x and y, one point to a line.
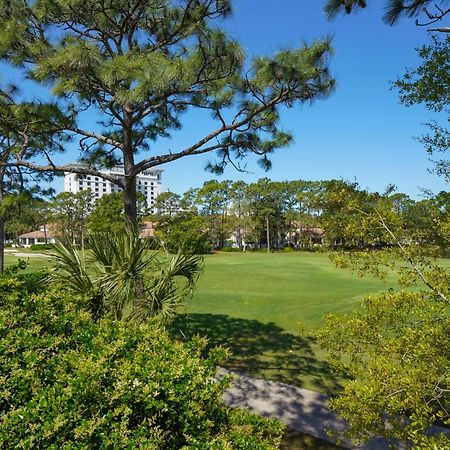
x: 255, y: 304
x: 34, y: 262
x: 284, y: 289
x: 278, y: 288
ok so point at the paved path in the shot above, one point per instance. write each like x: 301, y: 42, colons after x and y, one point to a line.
x: 25, y: 255
x: 301, y: 410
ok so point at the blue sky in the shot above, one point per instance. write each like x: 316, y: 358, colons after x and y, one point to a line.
x: 361, y: 133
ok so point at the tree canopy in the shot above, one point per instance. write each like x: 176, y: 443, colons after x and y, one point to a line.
x: 394, y: 348
x: 139, y: 66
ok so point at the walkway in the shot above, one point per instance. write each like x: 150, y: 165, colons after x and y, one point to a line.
x: 301, y: 410
x: 19, y: 254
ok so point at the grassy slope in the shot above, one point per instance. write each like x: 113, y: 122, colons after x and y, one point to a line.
x: 279, y: 288
x: 254, y: 303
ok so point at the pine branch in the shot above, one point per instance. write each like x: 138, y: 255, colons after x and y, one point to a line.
x: 98, y: 137
x: 196, y: 148
x: 70, y: 168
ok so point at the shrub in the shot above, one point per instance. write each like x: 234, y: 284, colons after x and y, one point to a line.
x: 123, y: 279
x: 230, y: 249
x: 42, y: 247
x: 185, y: 232
x: 68, y: 382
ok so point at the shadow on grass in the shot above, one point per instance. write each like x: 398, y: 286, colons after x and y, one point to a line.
x: 262, y: 350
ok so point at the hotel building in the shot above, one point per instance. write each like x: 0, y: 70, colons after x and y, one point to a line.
x: 148, y: 183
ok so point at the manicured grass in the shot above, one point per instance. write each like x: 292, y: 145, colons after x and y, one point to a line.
x: 263, y: 308
x: 255, y: 304
x: 34, y: 262
x: 278, y: 288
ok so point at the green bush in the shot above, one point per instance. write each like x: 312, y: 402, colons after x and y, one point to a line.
x: 42, y: 247
x: 287, y: 250
x: 229, y: 249
x: 186, y: 233
x: 67, y: 382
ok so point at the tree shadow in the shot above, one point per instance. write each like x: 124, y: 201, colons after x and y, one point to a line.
x: 262, y: 350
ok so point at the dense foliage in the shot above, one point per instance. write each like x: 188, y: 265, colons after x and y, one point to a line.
x: 396, y: 347
x: 123, y: 279
x: 298, y: 214
x: 138, y: 67
x: 187, y: 232
x: 67, y: 382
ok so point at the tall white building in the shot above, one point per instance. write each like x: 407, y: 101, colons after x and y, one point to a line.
x: 148, y: 183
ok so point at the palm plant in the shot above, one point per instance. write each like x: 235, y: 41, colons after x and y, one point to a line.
x: 120, y: 277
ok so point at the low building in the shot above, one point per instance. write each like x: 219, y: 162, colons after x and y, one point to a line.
x: 148, y: 183
x: 45, y: 235
x: 48, y: 234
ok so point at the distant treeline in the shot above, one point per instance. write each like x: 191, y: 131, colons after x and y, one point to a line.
x: 302, y: 215
x: 296, y: 214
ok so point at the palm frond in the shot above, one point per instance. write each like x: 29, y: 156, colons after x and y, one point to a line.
x: 124, y: 274
x: 166, y: 292
x: 121, y: 261
x: 70, y: 268
x: 188, y: 266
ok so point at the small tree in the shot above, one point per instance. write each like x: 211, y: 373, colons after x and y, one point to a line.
x: 187, y: 232
x: 122, y: 279
x: 168, y: 203
x: 395, y: 347
x: 71, y: 213
x: 108, y: 214
x: 213, y: 200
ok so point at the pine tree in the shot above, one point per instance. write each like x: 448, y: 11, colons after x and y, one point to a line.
x: 140, y: 65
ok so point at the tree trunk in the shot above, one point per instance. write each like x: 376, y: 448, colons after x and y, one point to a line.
x: 2, y: 224
x: 130, y: 198
x: 2, y: 244
x: 129, y: 191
